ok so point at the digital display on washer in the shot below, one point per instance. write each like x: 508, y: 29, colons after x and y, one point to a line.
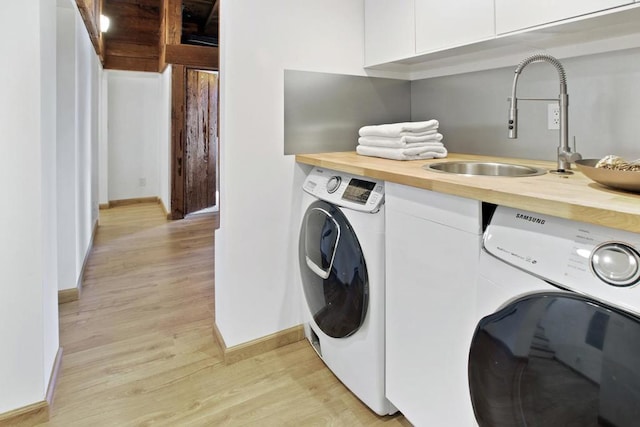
x: 358, y: 191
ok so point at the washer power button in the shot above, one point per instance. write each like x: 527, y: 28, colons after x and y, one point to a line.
x: 616, y: 264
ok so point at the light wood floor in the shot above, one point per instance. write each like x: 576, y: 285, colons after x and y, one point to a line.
x: 139, y: 348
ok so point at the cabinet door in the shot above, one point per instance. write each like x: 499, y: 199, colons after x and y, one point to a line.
x: 389, y: 31
x: 513, y: 15
x: 444, y: 24
x: 431, y: 273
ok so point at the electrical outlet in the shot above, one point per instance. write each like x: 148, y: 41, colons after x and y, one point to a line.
x: 142, y: 182
x: 553, y: 116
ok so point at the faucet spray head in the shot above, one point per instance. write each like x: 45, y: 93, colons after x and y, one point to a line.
x: 513, y: 119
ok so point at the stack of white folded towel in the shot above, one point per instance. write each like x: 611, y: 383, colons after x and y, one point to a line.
x: 402, y: 141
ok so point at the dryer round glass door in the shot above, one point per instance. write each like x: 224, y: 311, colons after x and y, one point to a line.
x: 334, y: 273
x: 556, y: 359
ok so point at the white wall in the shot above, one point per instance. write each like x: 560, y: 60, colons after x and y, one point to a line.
x: 257, y: 287
x: 136, y: 113
x: 66, y: 147
x: 78, y: 104
x: 27, y: 132
x: 38, y: 187
x: 48, y: 141
x: 165, y: 141
x: 97, y: 74
x: 88, y: 71
x: 103, y: 157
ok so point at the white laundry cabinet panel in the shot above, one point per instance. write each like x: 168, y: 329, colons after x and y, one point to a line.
x: 432, y: 251
x: 446, y: 24
x: 389, y: 31
x: 513, y: 15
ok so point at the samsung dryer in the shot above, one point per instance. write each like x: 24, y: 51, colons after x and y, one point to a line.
x: 341, y: 256
x: 558, y: 334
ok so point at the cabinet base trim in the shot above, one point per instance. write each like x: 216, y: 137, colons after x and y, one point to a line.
x: 73, y: 294
x: 68, y: 295
x: 249, y: 349
x: 125, y: 202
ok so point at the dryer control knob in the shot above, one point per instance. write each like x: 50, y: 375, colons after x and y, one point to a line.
x: 616, y: 264
x: 333, y: 184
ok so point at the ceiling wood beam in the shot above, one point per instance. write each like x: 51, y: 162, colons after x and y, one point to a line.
x: 126, y: 48
x: 90, y: 11
x: 124, y: 25
x: 141, y: 38
x: 162, y: 41
x: 170, y: 29
x: 174, y: 21
x: 129, y: 63
x: 146, y: 30
x: 117, y: 9
x: 202, y: 57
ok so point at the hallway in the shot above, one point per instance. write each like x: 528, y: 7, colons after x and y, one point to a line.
x: 139, y: 348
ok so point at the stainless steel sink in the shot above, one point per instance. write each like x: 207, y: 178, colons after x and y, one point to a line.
x: 485, y: 169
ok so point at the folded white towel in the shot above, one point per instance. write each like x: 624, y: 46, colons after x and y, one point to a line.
x: 418, y: 153
x: 419, y: 149
x: 397, y: 129
x: 398, y: 142
x: 414, y: 138
x: 422, y: 146
x: 425, y: 133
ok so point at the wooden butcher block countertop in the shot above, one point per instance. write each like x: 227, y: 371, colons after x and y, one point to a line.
x: 574, y: 197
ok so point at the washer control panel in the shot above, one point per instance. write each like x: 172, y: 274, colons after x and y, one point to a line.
x: 598, y: 261
x: 343, y: 189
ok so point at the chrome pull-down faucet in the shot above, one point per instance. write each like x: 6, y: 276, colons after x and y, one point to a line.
x: 565, y: 155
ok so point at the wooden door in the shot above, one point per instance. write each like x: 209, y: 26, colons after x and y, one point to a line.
x: 201, y: 140
x: 194, y: 140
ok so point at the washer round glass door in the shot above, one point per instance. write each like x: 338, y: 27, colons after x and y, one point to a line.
x: 556, y: 359
x: 334, y: 273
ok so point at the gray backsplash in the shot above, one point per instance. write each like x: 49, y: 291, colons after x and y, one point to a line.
x: 604, y: 107
x: 323, y: 112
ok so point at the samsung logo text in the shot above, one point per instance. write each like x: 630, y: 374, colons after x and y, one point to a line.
x: 530, y: 218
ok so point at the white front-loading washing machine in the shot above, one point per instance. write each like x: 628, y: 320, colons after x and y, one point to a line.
x: 558, y: 337
x: 341, y: 254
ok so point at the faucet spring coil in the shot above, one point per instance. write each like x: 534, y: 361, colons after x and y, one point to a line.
x: 541, y: 57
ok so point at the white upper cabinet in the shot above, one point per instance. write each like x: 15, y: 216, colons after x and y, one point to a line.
x: 513, y: 15
x: 444, y: 24
x: 389, y: 30
x: 437, y: 37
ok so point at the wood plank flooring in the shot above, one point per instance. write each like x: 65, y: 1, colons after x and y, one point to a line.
x: 139, y: 348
